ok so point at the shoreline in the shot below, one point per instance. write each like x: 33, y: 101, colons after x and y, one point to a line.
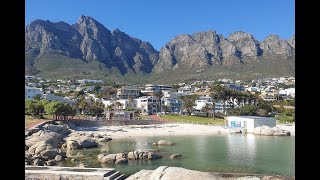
x: 132, y: 131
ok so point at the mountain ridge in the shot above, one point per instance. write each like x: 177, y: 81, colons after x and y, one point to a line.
x: 118, y: 54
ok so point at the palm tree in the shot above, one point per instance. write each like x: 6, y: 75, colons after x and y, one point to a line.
x: 130, y: 100
x: 188, y: 102
x: 110, y: 107
x: 159, y: 95
x: 213, y: 107
x: 119, y: 104
x: 37, y: 97
x: 166, y: 108
x: 82, y: 104
x: 206, y: 108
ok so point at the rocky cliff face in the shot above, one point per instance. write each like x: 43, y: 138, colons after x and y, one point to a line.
x: 207, y: 49
x: 90, y: 41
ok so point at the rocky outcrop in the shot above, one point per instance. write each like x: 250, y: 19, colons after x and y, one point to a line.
x: 54, y: 143
x: 89, y: 40
x: 268, y: 131
x: 292, y: 41
x: 208, y: 49
x: 246, y: 45
x: 170, y: 173
x: 273, y: 45
x: 166, y: 173
x: 124, y: 157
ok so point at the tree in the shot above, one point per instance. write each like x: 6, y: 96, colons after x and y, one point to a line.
x: 96, y: 108
x: 53, y: 108
x: 188, y: 102
x: 213, y: 107
x: 82, y: 104
x: 78, y: 93
x: 246, y: 110
x: 96, y: 89
x: 59, y: 109
x: 159, y: 95
x: 37, y: 97
x: 35, y: 108
x: 166, y: 108
x: 119, y: 105
x: 175, y: 87
x: 206, y: 109
x: 130, y: 100
x: 110, y: 107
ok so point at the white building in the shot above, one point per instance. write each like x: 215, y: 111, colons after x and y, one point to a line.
x: 85, y: 81
x: 52, y: 97
x: 127, y: 91
x: 148, y: 104
x: 154, y: 88
x: 252, y: 89
x: 124, y: 103
x: 250, y: 122
x: 119, y: 115
x: 30, y: 92
x: 202, y: 101
x: 287, y: 92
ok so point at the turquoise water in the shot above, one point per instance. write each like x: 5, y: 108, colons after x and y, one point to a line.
x: 217, y: 153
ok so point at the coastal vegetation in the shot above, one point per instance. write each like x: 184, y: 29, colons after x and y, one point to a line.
x: 193, y: 119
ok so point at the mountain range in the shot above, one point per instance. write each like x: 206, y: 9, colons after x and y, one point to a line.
x: 87, y: 49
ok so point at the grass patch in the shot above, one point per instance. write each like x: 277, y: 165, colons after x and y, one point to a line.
x: 193, y: 119
x: 30, y: 120
x: 283, y: 119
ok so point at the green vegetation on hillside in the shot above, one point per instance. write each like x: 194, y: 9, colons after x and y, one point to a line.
x: 57, y: 66
x: 193, y: 119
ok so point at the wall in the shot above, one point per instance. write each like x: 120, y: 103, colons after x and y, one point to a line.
x: 95, y: 123
x: 267, y: 121
x: 251, y: 123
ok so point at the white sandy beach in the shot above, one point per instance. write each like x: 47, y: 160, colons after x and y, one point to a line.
x: 117, y: 132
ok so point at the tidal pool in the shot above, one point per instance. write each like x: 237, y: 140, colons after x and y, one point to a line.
x: 232, y: 153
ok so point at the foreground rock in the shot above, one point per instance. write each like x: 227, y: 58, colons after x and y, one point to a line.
x: 171, y: 173
x: 124, y: 157
x: 49, y: 146
x: 178, y: 173
x: 268, y: 131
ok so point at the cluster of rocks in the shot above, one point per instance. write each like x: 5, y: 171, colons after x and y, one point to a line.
x: 124, y: 157
x: 49, y: 146
x: 268, y: 131
x: 78, y: 140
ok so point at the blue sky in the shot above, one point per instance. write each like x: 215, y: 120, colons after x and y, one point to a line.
x: 158, y: 21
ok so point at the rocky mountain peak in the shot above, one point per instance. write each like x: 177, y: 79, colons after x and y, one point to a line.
x: 292, y: 41
x: 274, y: 45
x: 272, y: 37
x: 89, y: 40
x: 238, y: 35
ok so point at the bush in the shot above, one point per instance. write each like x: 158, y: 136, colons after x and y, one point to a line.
x: 284, y: 119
